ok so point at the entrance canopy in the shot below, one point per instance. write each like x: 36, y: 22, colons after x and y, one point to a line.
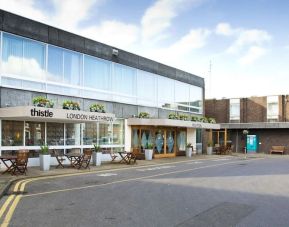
x: 33, y: 113
x: 171, y: 123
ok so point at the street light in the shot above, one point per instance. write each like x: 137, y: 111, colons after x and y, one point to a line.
x: 245, y: 133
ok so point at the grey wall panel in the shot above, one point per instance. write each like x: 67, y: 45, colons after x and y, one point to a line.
x: 167, y: 71
x: 53, y: 35
x: 151, y: 110
x: 123, y: 110
x: 1, y: 19
x: 71, y: 41
x: 14, y: 97
x: 97, y: 49
x: 59, y: 99
x: 127, y: 58
x: 165, y: 113
x: 25, y: 27
x: 148, y: 65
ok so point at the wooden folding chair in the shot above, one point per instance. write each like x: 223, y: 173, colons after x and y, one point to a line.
x: 59, y: 157
x: 85, y: 159
x: 20, y: 165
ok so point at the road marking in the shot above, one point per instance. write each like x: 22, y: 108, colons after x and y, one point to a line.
x: 155, y: 168
x: 11, y: 211
x: 132, y: 179
x: 106, y: 174
x: 194, y: 163
x: 5, y: 205
x: 221, y: 159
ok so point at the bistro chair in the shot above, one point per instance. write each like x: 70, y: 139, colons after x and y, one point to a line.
x: 85, y: 159
x: 21, y: 162
x: 60, y: 158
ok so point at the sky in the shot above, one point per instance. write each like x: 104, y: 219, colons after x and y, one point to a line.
x: 241, y: 48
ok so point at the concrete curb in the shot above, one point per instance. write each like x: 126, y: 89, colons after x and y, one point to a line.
x: 5, y: 189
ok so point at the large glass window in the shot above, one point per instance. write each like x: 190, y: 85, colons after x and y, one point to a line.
x: 272, y: 108
x: 118, y: 132
x: 63, y: 66
x: 23, y: 57
x: 73, y: 136
x: 123, y: 80
x: 12, y: 133
x: 146, y: 88
x: 166, y: 93
x: 34, y: 133
x: 105, y: 134
x: 234, y: 109
x: 55, y: 134
x: 182, y: 94
x: 90, y: 133
x: 96, y: 73
x: 196, y: 99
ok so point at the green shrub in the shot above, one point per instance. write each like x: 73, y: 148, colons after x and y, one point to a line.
x: 70, y: 105
x: 41, y: 101
x: 144, y: 115
x: 97, y: 108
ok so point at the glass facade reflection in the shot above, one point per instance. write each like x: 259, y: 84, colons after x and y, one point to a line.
x: 12, y: 133
x: 34, y: 133
x: 25, y: 63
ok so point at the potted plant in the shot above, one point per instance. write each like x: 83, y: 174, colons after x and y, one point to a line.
x: 210, y: 148
x: 44, y: 158
x: 149, y: 151
x: 144, y: 115
x: 40, y: 101
x: 70, y: 105
x: 97, y: 108
x: 96, y: 155
x: 189, y: 150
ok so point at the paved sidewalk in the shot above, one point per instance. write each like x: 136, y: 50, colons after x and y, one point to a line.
x: 6, y: 179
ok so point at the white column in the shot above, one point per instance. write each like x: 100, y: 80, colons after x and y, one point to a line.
x: 127, y: 136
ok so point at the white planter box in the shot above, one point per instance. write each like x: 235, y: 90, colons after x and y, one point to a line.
x: 148, y: 154
x: 44, y: 162
x: 189, y: 152
x: 209, y: 150
x: 96, y: 158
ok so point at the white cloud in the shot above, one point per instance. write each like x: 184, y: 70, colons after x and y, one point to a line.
x: 252, y: 55
x: 114, y: 33
x: 225, y: 29
x: 70, y: 12
x: 24, y: 8
x: 248, y: 38
x: 158, y: 17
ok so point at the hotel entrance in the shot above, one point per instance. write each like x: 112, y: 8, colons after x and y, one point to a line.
x: 166, y: 141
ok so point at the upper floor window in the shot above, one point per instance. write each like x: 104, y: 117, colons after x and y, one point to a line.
x: 234, y: 109
x: 23, y: 57
x: 272, y: 108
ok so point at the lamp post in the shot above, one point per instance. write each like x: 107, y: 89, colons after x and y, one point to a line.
x: 245, y: 133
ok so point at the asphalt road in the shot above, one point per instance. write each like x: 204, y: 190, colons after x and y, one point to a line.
x: 223, y: 192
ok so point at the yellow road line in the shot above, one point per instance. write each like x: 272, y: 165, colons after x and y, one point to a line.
x: 11, y: 211
x: 5, y: 205
x: 132, y: 179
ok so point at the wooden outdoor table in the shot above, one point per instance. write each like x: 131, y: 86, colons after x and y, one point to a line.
x: 126, y: 157
x: 74, y: 159
x: 9, y: 162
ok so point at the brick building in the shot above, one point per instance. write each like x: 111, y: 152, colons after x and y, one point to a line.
x: 266, y: 118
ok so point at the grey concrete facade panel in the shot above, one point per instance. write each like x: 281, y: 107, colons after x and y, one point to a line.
x: 24, y: 27
x: 148, y: 65
x: 151, y: 110
x: 165, y: 113
x: 35, y: 30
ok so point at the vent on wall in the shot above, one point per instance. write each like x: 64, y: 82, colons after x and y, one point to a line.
x: 115, y: 52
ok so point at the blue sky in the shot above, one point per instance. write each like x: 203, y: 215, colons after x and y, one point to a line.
x: 247, y: 42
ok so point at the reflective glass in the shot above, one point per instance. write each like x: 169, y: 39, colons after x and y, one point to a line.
x: 118, y: 132
x: 55, y: 134
x: 23, y: 57
x: 72, y: 134
x: 90, y: 133
x: 123, y: 80
x: 12, y: 133
x: 96, y: 73
x: 234, y: 109
x: 72, y: 63
x: 146, y: 88
x: 196, y: 99
x: 182, y: 94
x: 34, y: 133
x: 105, y: 133
x: 165, y: 92
x: 55, y: 64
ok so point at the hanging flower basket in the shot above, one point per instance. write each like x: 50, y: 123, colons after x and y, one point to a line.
x: 70, y: 105
x: 40, y: 101
x: 97, y: 108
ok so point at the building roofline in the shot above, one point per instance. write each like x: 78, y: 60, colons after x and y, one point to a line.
x: 19, y: 25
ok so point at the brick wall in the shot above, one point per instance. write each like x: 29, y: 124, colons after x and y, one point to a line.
x: 218, y: 109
